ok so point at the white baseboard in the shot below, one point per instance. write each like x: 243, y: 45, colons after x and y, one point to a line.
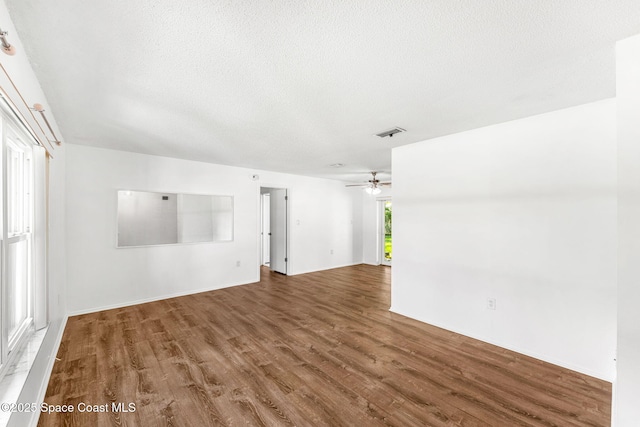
x: 154, y: 298
x: 324, y: 269
x: 544, y: 358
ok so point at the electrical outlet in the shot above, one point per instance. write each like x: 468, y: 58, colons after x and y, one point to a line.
x: 491, y: 303
x: 237, y: 263
x: 331, y: 251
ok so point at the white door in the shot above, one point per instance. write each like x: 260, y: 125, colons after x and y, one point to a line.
x: 278, y: 225
x: 266, y: 228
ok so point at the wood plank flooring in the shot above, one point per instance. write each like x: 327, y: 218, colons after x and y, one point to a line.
x: 319, y: 349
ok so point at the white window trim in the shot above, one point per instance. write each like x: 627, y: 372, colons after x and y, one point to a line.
x: 34, y: 231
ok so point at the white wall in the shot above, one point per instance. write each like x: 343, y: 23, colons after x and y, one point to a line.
x: 523, y: 212
x: 21, y: 73
x: 102, y: 276
x: 323, y: 217
x: 627, y: 388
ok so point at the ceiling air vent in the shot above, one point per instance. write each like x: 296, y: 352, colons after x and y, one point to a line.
x: 390, y: 132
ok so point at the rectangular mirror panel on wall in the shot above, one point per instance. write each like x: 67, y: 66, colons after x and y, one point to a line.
x: 150, y: 218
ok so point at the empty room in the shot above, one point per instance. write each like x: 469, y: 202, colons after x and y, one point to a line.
x: 359, y: 213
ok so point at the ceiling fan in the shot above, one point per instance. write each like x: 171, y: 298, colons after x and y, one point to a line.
x: 373, y: 185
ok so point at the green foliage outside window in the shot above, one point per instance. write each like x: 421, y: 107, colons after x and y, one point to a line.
x: 388, y: 247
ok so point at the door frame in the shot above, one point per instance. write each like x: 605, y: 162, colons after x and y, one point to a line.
x: 381, y: 232
x: 288, y: 250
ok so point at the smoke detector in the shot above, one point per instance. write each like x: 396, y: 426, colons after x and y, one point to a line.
x: 390, y: 132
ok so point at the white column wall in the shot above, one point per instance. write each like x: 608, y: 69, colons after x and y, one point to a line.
x: 627, y: 388
x: 523, y: 212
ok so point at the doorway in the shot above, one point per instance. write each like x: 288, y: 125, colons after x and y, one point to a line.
x: 275, y: 229
x: 385, y: 235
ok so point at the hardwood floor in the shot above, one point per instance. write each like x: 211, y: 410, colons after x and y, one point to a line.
x: 318, y: 349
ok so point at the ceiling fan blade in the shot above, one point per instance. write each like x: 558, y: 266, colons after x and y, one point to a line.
x: 372, y: 183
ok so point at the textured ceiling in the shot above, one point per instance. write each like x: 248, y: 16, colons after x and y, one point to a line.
x: 295, y: 86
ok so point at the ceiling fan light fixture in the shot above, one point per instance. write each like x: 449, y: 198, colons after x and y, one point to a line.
x: 373, y: 190
x: 372, y: 187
